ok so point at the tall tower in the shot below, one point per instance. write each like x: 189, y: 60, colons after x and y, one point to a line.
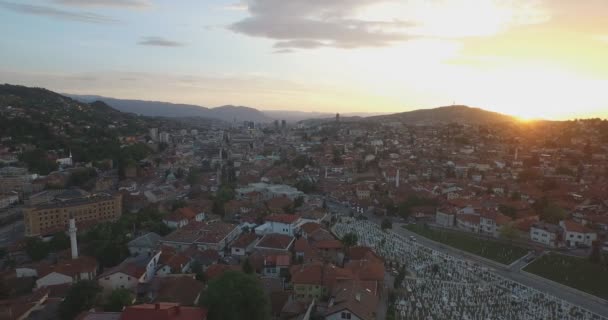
x: 397, y: 179
x: 73, y: 242
x: 337, y: 117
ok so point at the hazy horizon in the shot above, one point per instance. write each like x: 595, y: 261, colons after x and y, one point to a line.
x: 530, y: 59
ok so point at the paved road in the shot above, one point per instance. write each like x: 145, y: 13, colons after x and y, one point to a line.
x: 600, y: 308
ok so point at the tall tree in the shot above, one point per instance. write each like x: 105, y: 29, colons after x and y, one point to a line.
x: 36, y: 248
x: 117, y: 300
x: 234, y: 296
x: 82, y: 296
x: 247, y: 267
x: 350, y: 239
x: 386, y: 224
x: 508, y: 232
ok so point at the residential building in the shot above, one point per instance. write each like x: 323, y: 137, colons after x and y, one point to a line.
x: 577, y: 235
x: 145, y: 244
x: 546, y: 233
x: 130, y: 273
x: 48, y: 218
x: 445, y: 217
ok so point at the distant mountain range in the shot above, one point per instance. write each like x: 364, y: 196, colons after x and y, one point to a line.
x: 165, y: 109
x: 226, y: 113
x: 457, y: 113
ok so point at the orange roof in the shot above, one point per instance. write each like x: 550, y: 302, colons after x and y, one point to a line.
x: 275, y: 241
x: 163, y: 311
x: 69, y: 267
x: 572, y: 226
x: 310, y: 227
x: 328, y: 244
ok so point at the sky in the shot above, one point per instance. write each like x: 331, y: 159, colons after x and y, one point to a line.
x: 528, y: 58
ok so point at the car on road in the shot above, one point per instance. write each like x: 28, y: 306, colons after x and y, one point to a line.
x: 412, y: 238
x: 530, y: 258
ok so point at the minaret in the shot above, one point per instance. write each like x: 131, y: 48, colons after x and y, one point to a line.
x: 73, y: 242
x: 397, y: 179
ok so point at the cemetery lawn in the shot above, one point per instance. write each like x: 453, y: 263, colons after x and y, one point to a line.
x: 578, y: 273
x: 493, y: 250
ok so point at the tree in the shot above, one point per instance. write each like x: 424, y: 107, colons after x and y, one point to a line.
x: 595, y: 256
x: 36, y: 249
x: 298, y: 202
x: 234, y: 296
x: 60, y: 241
x: 38, y: 162
x: 247, y: 267
x: 508, y: 232
x: 553, y: 214
x: 82, y: 296
x: 117, y: 300
x: 197, y: 268
x: 507, y: 210
x: 350, y: 239
x: 386, y: 224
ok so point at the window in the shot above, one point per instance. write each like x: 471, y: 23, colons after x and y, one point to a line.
x: 345, y: 315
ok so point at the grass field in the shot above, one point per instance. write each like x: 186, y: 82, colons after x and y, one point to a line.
x: 574, y: 272
x: 493, y: 250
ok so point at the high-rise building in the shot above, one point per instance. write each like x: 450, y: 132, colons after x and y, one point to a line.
x: 164, y: 137
x: 337, y: 117
x: 283, y: 124
x: 52, y: 217
x: 153, y: 134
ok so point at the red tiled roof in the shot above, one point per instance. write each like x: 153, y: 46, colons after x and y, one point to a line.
x: 216, y: 270
x: 244, y: 240
x: 187, y: 213
x: 275, y: 241
x: 69, y: 267
x: 572, y: 226
x: 163, y: 311
x: 310, y: 227
x: 328, y: 244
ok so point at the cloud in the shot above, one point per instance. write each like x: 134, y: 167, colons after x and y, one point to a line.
x: 310, y: 24
x: 283, y: 51
x: 239, y: 6
x: 134, y: 4
x: 79, y: 16
x: 159, y: 42
x: 319, y: 23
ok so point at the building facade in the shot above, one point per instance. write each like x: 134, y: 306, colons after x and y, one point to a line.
x: 45, y: 219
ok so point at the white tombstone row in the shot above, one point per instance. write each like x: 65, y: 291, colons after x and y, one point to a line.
x: 439, y: 286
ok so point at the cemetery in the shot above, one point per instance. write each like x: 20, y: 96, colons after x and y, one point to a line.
x: 439, y: 286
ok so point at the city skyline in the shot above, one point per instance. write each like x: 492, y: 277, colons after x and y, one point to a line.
x: 530, y: 59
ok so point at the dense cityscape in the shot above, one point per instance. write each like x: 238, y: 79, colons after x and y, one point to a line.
x: 111, y: 215
x: 304, y: 160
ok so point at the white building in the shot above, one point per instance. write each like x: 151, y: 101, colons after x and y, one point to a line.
x: 444, y: 218
x: 546, y: 233
x: 164, y: 137
x: 576, y: 234
x: 269, y: 191
x: 153, y: 134
x: 282, y: 224
x: 8, y: 199
x: 130, y: 273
